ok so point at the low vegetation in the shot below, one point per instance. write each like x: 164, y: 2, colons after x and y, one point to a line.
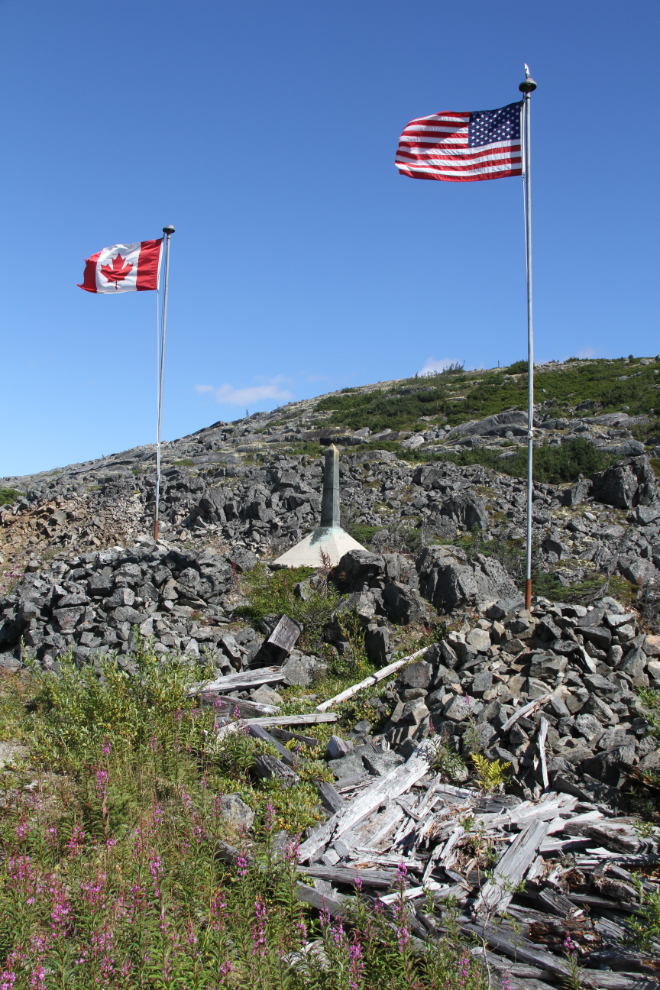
x: 8, y: 495
x: 553, y: 465
x: 598, y: 386
x: 120, y: 870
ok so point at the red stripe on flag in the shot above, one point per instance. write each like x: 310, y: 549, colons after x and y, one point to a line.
x: 89, y: 278
x: 472, y: 177
x: 148, y: 262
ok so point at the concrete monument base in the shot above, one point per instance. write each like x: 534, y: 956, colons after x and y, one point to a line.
x: 332, y: 540
x: 329, y: 542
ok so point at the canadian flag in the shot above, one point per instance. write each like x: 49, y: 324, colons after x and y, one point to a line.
x: 124, y: 268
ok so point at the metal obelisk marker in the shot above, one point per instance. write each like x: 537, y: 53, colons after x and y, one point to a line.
x: 527, y: 88
x: 168, y: 231
x: 330, y: 505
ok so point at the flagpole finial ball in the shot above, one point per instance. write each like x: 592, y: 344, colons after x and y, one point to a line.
x: 170, y: 229
x: 528, y: 86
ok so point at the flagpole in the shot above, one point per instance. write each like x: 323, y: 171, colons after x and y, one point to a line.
x: 527, y: 88
x: 168, y: 231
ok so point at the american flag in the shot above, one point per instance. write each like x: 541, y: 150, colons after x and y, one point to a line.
x: 462, y: 147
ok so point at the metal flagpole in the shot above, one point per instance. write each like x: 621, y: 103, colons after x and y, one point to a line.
x: 527, y: 88
x: 169, y: 230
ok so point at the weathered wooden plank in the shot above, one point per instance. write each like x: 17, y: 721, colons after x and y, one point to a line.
x: 619, y: 981
x: 511, y: 868
x: 525, y: 710
x: 312, y: 718
x: 322, y: 902
x: 379, y: 879
x: 604, y: 903
x: 551, y: 900
x: 369, y: 681
x: 285, y: 634
x: 543, y: 733
x: 236, y: 682
x: 246, y: 709
x: 382, y: 791
x: 269, y: 720
x: 517, y: 952
x: 257, y: 732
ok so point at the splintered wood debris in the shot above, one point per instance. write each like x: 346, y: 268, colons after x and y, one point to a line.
x: 521, y: 875
x: 524, y: 879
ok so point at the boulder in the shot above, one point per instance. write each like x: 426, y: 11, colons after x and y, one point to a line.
x: 360, y: 569
x: 449, y: 580
x: 403, y: 604
x: 626, y: 484
x: 235, y: 811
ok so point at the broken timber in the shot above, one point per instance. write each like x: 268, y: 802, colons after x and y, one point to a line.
x: 510, y: 870
x: 369, y: 681
x: 235, y: 682
x: 384, y: 790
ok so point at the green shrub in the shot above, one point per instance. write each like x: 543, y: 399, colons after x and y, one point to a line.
x: 117, y: 867
x: 552, y: 464
x: 272, y: 593
x: 8, y: 495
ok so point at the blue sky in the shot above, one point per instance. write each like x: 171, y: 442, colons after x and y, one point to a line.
x: 302, y: 262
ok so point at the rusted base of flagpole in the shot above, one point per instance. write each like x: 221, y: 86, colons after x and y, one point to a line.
x: 155, y: 529
x: 528, y: 592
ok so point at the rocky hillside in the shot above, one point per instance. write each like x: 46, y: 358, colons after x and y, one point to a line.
x: 417, y: 465
x: 432, y: 479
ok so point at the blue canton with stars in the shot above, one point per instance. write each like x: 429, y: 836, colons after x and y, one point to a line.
x: 489, y: 126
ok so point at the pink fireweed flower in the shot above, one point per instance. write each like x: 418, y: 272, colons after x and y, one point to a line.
x: 105, y: 748
x: 93, y: 892
x: 156, y: 870
x: 324, y: 917
x: 291, y: 855
x: 60, y: 915
x: 402, y: 929
x: 301, y: 928
x: 259, y: 927
x: 355, y: 964
x: 506, y: 982
x: 22, y: 830
x: 569, y: 944
x: 357, y: 882
x: 217, y: 911
x: 338, y: 933
x: 101, y: 781
x: 463, y: 967
x: 51, y: 837
x: 7, y: 979
x: 270, y: 815
x: 226, y: 969
x: 77, y: 840
x: 242, y: 866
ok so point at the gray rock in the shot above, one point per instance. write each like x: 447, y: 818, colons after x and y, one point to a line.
x: 403, y: 604
x: 449, y: 580
x: 479, y: 639
x: 380, y: 764
x: 235, y: 811
x: 457, y: 709
x: 337, y: 747
x: 376, y: 643
x: 265, y: 695
x: 417, y: 675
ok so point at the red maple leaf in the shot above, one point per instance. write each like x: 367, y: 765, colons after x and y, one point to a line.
x: 118, y: 272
